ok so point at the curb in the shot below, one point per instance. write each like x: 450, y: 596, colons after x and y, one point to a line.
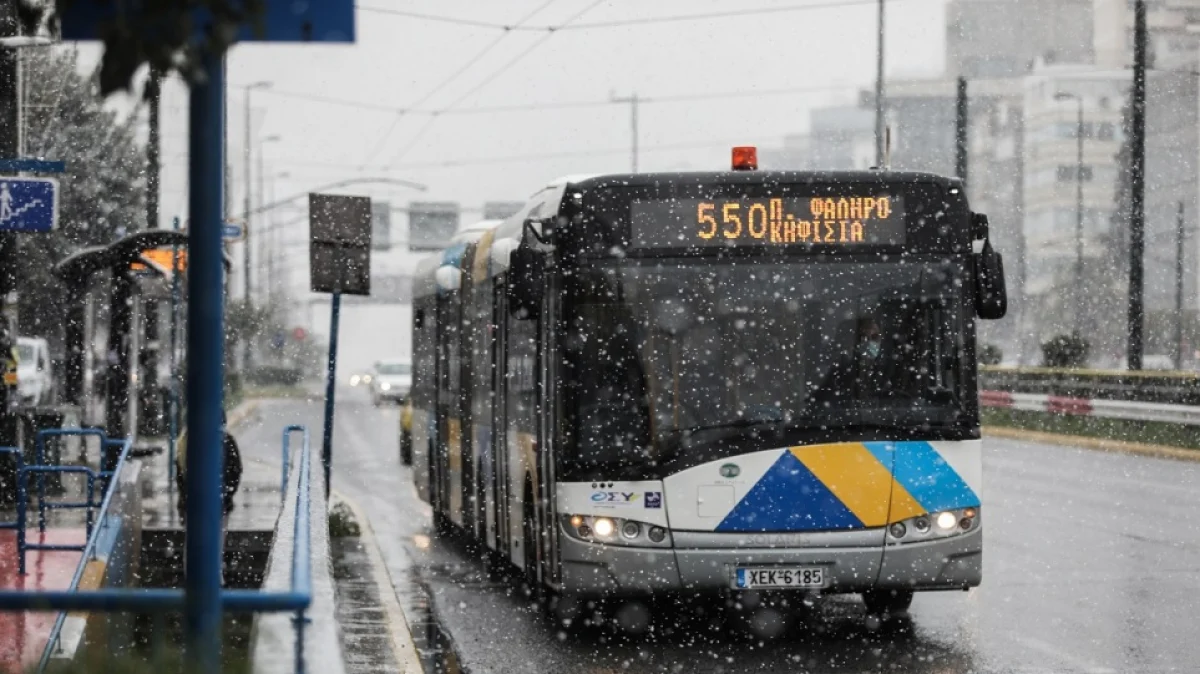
x: 241, y: 412
x: 402, y: 643
x: 1097, y: 444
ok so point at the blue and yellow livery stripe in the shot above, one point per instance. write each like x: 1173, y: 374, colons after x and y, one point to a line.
x: 849, y: 486
x: 862, y: 483
x: 921, y: 470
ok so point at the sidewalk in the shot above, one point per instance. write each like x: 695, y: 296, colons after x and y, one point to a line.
x: 250, y: 524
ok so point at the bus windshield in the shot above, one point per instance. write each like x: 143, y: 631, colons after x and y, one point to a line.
x: 660, y: 351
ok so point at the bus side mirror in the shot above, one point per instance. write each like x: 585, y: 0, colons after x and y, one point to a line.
x: 991, y: 294
x: 526, y: 274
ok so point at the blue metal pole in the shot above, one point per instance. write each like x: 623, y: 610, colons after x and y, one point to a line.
x: 205, y: 367
x: 91, y: 495
x: 287, y: 432
x: 327, y: 440
x: 22, y: 496
x: 173, y: 396
x: 40, y: 443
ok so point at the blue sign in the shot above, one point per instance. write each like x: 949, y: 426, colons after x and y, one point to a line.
x: 231, y: 230
x: 32, y: 165
x: 28, y: 204
x: 282, y: 20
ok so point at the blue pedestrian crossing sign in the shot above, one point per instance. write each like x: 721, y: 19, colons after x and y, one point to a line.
x: 28, y: 204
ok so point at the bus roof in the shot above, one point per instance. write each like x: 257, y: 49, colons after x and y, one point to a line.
x: 474, y: 230
x: 759, y: 177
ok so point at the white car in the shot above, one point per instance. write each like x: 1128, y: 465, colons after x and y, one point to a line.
x: 35, y: 381
x: 391, y: 381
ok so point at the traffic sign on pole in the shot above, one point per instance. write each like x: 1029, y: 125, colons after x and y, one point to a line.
x: 28, y: 204
x: 233, y: 231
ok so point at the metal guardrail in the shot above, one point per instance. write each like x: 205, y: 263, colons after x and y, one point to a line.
x: 287, y: 458
x: 301, y: 564
x: 297, y: 600
x: 313, y: 644
x: 1128, y: 410
x: 1181, y: 388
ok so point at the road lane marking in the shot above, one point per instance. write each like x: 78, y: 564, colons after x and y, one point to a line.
x: 1076, y: 662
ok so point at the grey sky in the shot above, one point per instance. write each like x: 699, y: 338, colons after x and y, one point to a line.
x: 398, y: 60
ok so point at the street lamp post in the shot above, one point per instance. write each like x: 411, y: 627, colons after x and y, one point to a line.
x: 1078, y: 294
x: 246, y: 245
x: 262, y: 244
x: 272, y: 240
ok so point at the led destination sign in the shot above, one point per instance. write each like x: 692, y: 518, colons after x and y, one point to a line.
x: 770, y: 221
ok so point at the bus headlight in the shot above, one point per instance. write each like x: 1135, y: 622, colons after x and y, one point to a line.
x: 942, y: 524
x: 615, y: 531
x: 603, y: 527
x: 946, y: 521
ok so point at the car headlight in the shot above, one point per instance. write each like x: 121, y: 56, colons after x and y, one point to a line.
x: 385, y: 386
x: 616, y: 531
x: 354, y: 379
x: 941, y: 524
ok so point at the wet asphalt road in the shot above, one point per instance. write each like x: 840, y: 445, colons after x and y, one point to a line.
x: 1092, y: 564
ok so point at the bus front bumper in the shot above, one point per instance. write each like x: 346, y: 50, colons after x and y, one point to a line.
x: 597, y: 570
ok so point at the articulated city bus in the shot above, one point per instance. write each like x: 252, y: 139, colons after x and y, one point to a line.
x: 713, y: 383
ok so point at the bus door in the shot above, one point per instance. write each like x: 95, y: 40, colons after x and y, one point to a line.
x: 449, y: 445
x: 424, y: 397
x: 497, y: 482
x: 547, y: 416
x: 466, y: 439
x: 479, y: 399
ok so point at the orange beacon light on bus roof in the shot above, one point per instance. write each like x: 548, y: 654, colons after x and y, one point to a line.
x: 745, y: 158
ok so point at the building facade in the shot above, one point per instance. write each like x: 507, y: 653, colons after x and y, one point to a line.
x: 1004, y: 38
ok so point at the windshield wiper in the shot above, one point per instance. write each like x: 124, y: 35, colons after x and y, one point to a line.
x: 675, y: 436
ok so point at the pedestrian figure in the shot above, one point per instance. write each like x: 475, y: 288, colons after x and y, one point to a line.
x: 231, y: 478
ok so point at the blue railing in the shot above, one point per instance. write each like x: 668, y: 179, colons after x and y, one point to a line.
x: 23, y: 544
x: 287, y: 457
x: 41, y: 469
x: 301, y: 563
x: 19, y: 460
x: 93, y: 535
x: 39, y: 456
x: 297, y: 600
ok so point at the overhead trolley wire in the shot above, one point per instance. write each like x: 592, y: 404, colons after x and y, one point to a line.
x: 378, y: 146
x: 515, y: 158
x: 620, y: 23
x: 491, y: 77
x: 561, y: 105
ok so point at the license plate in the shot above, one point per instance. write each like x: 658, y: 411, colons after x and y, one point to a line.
x: 748, y: 578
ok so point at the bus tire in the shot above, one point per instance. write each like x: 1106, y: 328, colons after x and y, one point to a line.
x: 887, y: 602
x: 405, y: 448
x: 442, y: 526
